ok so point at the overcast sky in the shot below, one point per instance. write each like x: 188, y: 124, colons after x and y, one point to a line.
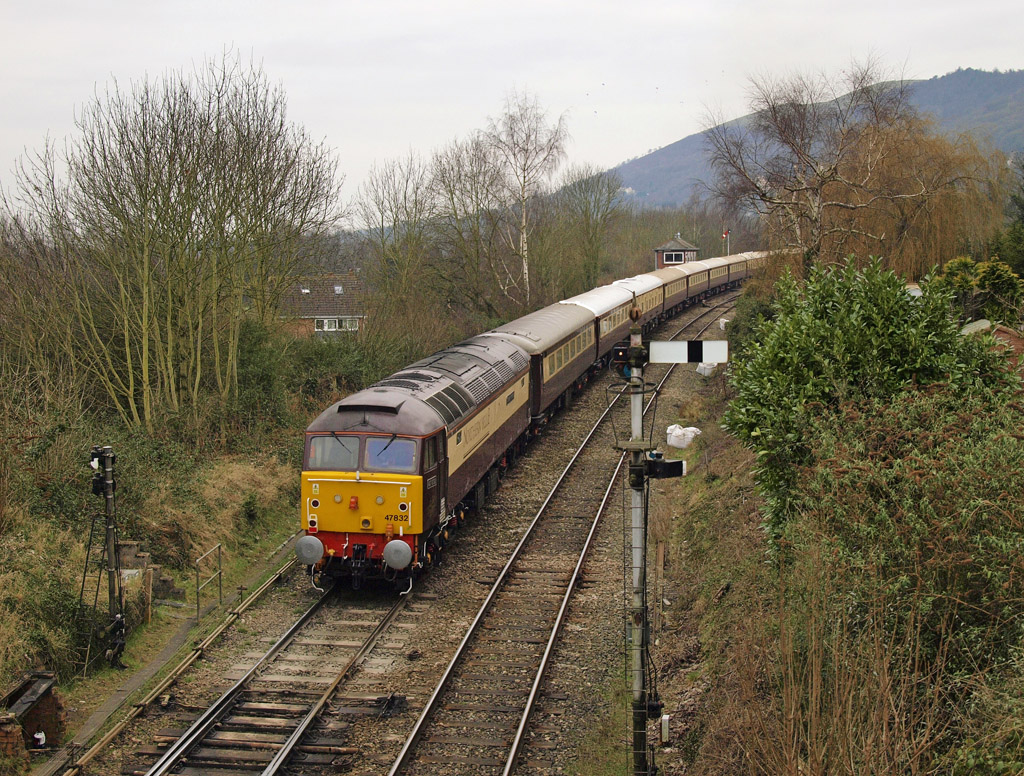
x: 378, y: 78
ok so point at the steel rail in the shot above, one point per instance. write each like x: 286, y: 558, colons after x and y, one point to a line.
x: 531, y: 700
x: 177, y: 671
x: 212, y: 715
x: 413, y: 738
x: 428, y: 708
x: 282, y: 755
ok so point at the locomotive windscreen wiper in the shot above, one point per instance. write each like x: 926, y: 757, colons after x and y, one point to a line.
x: 393, y: 437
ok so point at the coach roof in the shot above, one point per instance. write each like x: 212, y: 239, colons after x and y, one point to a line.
x: 537, y: 332
x: 601, y: 300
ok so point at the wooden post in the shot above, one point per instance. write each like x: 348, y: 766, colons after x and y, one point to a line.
x: 147, y: 594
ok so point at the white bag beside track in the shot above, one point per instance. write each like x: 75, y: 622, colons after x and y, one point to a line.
x: 705, y: 369
x: 681, y: 437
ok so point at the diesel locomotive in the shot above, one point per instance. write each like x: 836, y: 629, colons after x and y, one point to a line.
x: 389, y: 471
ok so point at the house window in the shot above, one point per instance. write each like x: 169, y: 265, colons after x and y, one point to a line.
x: 318, y: 324
x: 349, y: 324
x: 330, y: 324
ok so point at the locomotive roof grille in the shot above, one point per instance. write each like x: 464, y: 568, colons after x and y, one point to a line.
x: 451, y: 403
x: 444, y: 407
x: 398, y: 383
x: 423, y: 376
x: 478, y: 389
x: 504, y: 370
x: 493, y: 378
x: 519, y: 362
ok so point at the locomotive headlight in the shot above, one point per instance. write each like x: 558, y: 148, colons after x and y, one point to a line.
x: 380, y: 500
x: 365, y: 522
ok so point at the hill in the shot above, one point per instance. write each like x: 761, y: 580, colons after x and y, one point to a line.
x: 989, y: 104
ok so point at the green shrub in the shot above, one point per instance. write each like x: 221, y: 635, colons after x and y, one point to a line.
x: 844, y: 335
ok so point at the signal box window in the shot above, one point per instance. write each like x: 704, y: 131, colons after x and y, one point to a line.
x: 389, y: 454
x: 335, y: 453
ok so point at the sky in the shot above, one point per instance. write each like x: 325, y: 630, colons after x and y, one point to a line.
x: 376, y: 79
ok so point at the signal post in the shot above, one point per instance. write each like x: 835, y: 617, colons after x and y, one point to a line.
x: 646, y: 464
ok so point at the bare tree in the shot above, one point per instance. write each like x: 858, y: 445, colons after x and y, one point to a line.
x: 589, y: 200
x: 530, y: 151
x: 180, y: 208
x: 396, y: 208
x: 467, y: 265
x: 834, y: 164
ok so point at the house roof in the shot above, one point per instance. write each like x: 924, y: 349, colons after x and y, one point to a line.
x: 676, y: 244
x: 318, y: 296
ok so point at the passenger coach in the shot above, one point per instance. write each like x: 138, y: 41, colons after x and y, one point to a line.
x: 388, y: 470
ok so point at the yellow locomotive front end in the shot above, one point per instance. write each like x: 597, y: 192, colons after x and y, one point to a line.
x: 362, y: 505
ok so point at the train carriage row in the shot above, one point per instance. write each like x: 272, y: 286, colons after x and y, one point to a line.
x: 389, y: 470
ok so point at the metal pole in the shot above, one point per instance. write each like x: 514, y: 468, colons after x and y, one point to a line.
x: 637, y: 629
x: 113, y: 600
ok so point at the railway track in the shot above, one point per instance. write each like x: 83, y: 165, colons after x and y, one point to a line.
x: 476, y: 719
x: 297, y: 708
x: 273, y: 718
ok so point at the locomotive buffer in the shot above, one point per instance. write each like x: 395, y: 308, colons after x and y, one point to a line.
x: 645, y: 464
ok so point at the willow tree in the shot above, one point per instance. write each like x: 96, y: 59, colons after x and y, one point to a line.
x: 180, y: 207
x: 837, y: 165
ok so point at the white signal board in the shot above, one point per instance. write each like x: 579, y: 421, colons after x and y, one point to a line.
x: 698, y: 351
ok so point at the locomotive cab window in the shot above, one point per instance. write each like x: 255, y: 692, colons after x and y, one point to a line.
x: 429, y: 453
x: 334, y: 453
x: 390, y: 454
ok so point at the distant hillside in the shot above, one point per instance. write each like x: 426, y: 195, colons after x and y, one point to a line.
x: 991, y: 104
